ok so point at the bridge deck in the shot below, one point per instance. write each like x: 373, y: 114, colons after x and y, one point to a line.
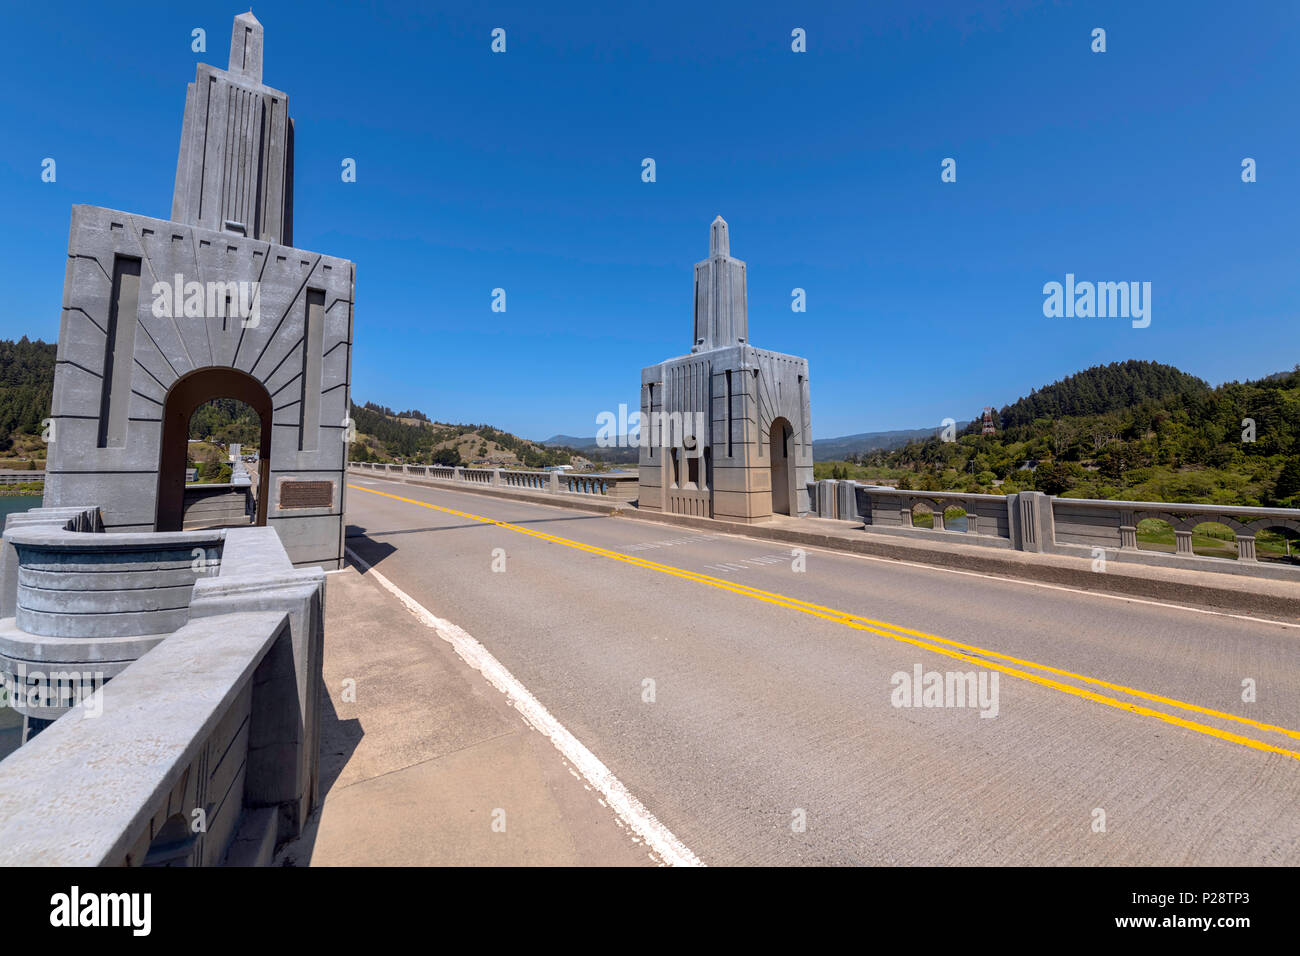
x: 768, y: 704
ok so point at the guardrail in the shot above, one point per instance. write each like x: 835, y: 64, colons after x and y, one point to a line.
x: 619, y: 485
x: 1035, y: 522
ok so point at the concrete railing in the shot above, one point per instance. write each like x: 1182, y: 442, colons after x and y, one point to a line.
x: 8, y: 477
x: 165, y: 762
x: 621, y: 486
x: 219, y: 505
x: 203, y: 746
x: 1081, y: 524
x: 532, y: 480
x: 1035, y: 522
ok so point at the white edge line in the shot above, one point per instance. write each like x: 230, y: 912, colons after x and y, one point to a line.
x: 972, y: 574
x: 629, y: 809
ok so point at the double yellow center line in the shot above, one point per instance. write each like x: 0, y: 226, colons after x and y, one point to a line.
x: 929, y: 642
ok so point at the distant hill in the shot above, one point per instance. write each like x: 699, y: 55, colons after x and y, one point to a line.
x: 826, y: 449
x: 569, y: 441
x: 385, y: 435
x: 1137, y: 430
x: 1102, y: 389
x: 626, y: 454
x: 823, y: 448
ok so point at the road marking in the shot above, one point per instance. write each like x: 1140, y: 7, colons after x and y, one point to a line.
x: 711, y: 536
x: 1042, y: 584
x: 629, y: 809
x: 954, y: 649
x: 747, y: 564
x: 653, y: 545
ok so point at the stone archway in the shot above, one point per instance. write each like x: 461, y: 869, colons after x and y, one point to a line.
x: 782, y: 466
x: 186, y: 394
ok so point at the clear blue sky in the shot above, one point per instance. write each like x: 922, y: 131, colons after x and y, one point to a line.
x: 522, y: 171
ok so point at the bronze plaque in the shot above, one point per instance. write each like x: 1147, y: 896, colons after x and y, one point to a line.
x: 306, y: 494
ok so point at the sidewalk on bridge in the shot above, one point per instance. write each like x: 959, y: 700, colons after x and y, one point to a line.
x: 417, y: 762
x: 1200, y: 586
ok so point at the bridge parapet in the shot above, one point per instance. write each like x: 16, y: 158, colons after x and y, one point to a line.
x: 203, y: 685
x: 1035, y: 522
x: 220, y: 505
x: 533, y: 480
x: 1086, y: 524
x: 190, y: 732
x: 16, y: 477
x: 611, y: 485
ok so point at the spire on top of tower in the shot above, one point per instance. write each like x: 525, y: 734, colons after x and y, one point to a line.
x: 719, y: 241
x: 721, y: 316
x: 246, y: 47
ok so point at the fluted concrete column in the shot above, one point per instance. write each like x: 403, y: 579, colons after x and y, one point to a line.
x: 1035, y: 522
x: 938, y: 517
x: 1183, y: 542
x: 1128, y: 531
x: 826, y: 498
x: 846, y: 500
x: 1246, y: 547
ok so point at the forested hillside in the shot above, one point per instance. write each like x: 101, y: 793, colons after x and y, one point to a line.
x: 1136, y: 430
x: 385, y: 435
x: 26, y: 384
x: 1102, y: 389
x: 225, y: 420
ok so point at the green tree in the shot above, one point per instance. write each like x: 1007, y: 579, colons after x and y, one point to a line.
x: 1053, y: 478
x: 1288, y: 482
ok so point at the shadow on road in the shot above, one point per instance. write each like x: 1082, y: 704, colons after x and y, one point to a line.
x: 355, y: 531
x: 360, y: 541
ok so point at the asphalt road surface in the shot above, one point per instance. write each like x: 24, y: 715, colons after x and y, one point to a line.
x: 756, y: 701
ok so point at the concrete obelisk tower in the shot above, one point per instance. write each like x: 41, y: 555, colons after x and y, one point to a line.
x: 726, y: 430
x: 232, y: 116
x: 161, y: 316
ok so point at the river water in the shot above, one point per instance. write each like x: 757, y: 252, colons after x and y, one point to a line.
x: 9, y: 504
